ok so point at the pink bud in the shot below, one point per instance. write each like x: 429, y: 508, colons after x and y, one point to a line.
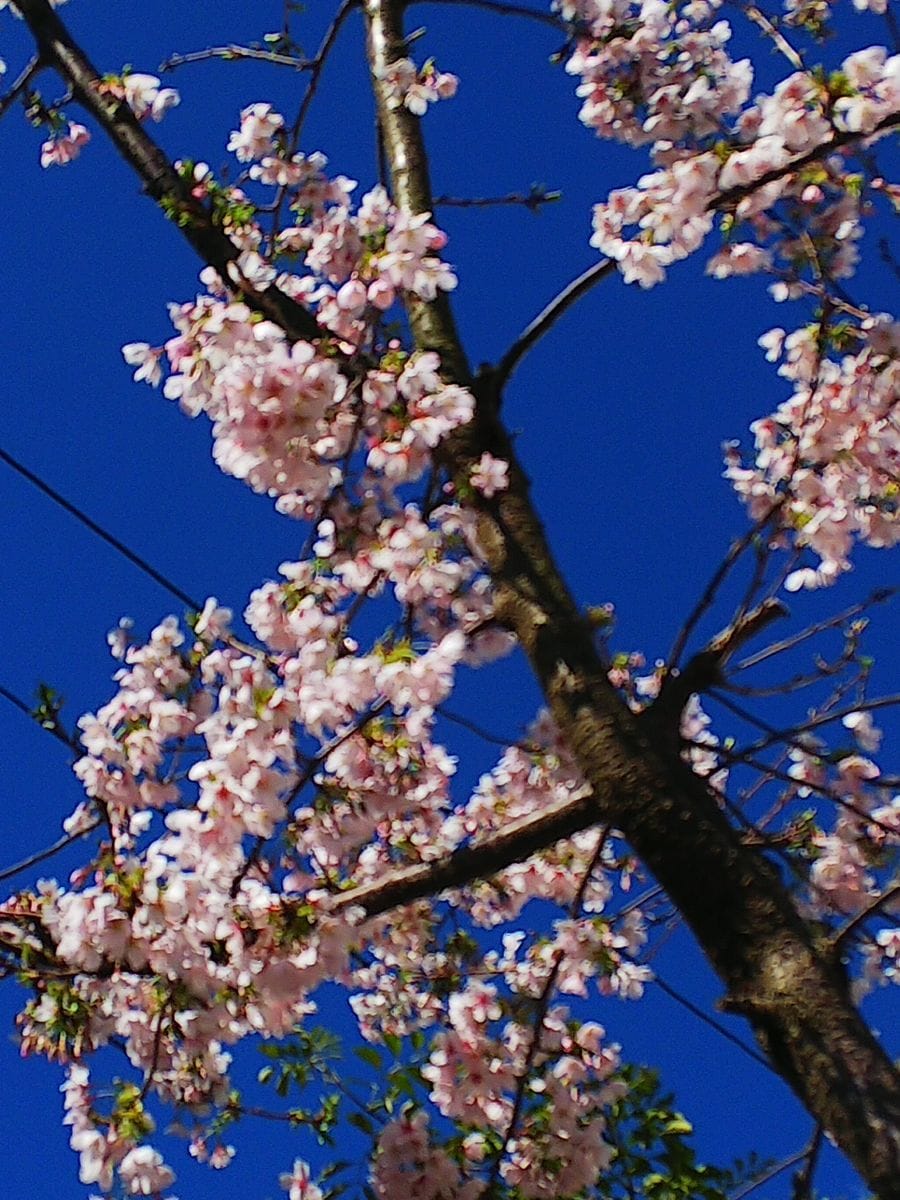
x: 381, y: 294
x: 352, y: 296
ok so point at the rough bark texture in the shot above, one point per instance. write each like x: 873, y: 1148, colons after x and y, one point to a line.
x: 787, y: 984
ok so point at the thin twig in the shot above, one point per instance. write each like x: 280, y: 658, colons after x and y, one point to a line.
x: 698, y: 1012
x: 803, y: 1179
x: 316, y: 67
x: 877, y: 597
x: 771, y: 772
x: 711, y: 590
x: 31, y: 70
x: 782, y: 735
x: 495, y: 739
x: 769, y: 1174
x: 542, y: 1003
x: 232, y: 53
x: 504, y: 9
x: 847, y: 931
x: 547, y: 318
x: 531, y: 200
x: 54, y: 729
x: 42, y: 855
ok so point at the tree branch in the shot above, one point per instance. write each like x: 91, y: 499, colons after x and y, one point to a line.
x: 232, y: 53
x: 21, y: 84
x: 515, y: 842
x: 547, y: 318
x: 731, y: 197
x: 162, y: 183
x: 773, y: 966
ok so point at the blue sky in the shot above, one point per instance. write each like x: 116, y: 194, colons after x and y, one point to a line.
x: 620, y: 417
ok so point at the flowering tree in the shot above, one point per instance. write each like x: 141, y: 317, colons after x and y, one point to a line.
x: 270, y: 810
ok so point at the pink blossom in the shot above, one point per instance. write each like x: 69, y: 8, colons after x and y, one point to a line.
x: 260, y: 126
x: 64, y: 147
x: 146, y: 359
x: 490, y: 475
x: 297, y: 1182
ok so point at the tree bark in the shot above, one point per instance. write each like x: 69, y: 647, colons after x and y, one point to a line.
x: 775, y: 969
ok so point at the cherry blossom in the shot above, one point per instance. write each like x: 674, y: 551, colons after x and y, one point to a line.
x: 417, y: 88
x: 490, y: 475
x: 260, y: 125
x: 297, y: 1183
x: 238, y: 792
x: 64, y: 147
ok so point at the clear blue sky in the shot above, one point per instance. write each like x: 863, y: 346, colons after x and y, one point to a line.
x: 622, y: 413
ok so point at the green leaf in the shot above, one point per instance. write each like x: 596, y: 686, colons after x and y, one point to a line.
x: 369, y: 1055
x: 677, y: 1125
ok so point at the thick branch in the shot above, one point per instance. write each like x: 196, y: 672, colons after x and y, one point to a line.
x: 515, y: 842
x: 162, y: 183
x: 774, y: 969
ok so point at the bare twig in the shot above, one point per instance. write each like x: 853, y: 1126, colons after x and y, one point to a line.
x: 532, y: 200
x: 317, y: 64
x: 711, y: 590
x: 233, y: 53
x: 547, y: 318
x: 769, y: 1174
x: 485, y: 734
x: 881, y: 596
x: 842, y: 936
x: 21, y: 84
x: 542, y: 1003
x: 803, y: 1179
x: 503, y: 9
x: 48, y: 852
x: 816, y: 722
x: 721, y: 1029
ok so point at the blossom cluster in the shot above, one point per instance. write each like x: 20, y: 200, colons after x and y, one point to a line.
x: 660, y: 75
x: 415, y: 88
x: 652, y: 72
x: 851, y: 859
x: 827, y: 459
x: 673, y: 209
x: 142, y: 94
x: 181, y: 940
x: 557, y: 1147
